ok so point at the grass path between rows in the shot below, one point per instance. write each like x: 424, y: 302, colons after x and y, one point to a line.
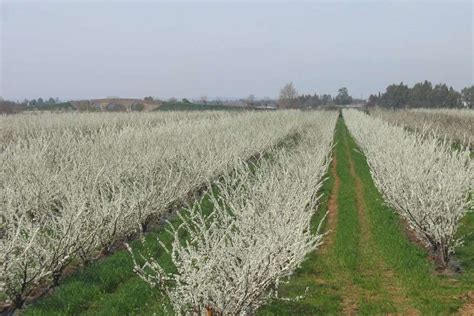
x: 367, y: 265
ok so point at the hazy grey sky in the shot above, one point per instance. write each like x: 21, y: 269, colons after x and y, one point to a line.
x: 86, y: 49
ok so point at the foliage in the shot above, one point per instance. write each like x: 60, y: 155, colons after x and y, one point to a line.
x: 315, y: 100
x: 138, y: 107
x: 343, y: 97
x: 468, y: 96
x: 62, y: 106
x: 288, y: 97
x: 422, y: 94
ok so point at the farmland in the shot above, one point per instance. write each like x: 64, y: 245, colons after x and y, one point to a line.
x: 456, y: 125
x: 268, y: 213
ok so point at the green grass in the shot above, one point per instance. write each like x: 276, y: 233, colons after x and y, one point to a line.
x: 465, y: 253
x: 347, y: 239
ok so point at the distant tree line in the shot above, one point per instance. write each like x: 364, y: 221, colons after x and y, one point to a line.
x: 40, y: 102
x: 289, y: 98
x: 423, y: 94
x: 10, y: 107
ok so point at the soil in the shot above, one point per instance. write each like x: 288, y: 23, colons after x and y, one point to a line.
x: 468, y: 308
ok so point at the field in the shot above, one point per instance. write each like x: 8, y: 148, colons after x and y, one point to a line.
x: 226, y: 213
x: 456, y: 125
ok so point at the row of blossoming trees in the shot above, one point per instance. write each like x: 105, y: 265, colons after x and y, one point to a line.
x: 257, y: 233
x: 455, y: 124
x: 74, y: 185
x: 420, y: 175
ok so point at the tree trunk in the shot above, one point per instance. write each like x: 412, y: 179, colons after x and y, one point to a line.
x: 443, y: 255
x: 144, y: 227
x: 56, y: 276
x: 18, y: 302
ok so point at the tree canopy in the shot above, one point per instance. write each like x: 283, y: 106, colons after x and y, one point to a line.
x: 343, y: 97
x: 423, y: 94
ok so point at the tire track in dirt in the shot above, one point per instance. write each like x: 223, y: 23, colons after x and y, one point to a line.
x: 468, y: 308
